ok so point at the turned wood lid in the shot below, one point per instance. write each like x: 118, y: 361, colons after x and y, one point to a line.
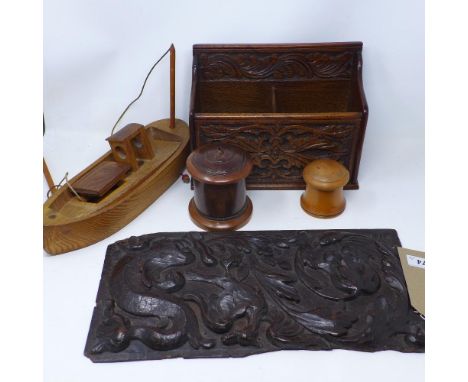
x: 219, y: 164
x: 326, y: 174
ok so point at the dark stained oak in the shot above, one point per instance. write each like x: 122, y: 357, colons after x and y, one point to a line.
x: 233, y: 294
x: 284, y: 104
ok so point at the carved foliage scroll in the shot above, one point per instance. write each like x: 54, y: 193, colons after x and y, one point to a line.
x: 281, y: 151
x: 276, y: 66
x: 239, y: 293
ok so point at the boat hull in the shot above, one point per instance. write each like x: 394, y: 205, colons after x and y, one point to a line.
x: 62, y: 238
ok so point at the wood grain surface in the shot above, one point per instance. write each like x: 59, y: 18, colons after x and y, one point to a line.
x: 71, y: 224
x: 284, y: 104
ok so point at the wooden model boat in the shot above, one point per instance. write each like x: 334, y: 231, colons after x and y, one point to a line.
x: 144, y: 161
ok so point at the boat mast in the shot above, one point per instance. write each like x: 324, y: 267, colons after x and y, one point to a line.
x: 172, y: 80
x: 48, y: 176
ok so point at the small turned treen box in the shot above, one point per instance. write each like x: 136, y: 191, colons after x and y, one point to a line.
x: 285, y: 105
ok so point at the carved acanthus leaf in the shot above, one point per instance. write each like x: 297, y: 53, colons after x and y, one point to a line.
x: 238, y: 293
x: 277, y: 66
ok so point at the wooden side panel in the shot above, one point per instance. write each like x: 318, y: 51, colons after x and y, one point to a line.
x: 279, y: 97
x: 313, y: 97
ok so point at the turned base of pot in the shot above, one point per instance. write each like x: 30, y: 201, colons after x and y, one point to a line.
x: 230, y: 224
x: 323, y: 210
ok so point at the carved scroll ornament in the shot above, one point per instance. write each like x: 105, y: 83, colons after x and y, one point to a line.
x: 280, y: 152
x: 277, y: 66
x: 240, y: 293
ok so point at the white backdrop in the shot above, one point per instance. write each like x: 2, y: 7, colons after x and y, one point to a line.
x: 96, y: 55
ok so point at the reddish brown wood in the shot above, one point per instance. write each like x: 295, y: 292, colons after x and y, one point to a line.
x: 218, y: 173
x: 284, y: 104
x: 172, y: 82
x: 231, y: 224
x: 219, y: 201
x: 219, y: 164
x: 101, y: 179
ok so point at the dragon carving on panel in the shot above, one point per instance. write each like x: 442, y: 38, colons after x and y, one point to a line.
x: 239, y: 293
x: 280, y: 152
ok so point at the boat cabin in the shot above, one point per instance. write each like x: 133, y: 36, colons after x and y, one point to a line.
x: 130, y: 144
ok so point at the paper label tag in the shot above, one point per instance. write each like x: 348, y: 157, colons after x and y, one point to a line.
x: 414, y: 269
x: 415, y: 261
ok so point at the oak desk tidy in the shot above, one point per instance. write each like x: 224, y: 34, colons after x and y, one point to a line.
x: 284, y: 104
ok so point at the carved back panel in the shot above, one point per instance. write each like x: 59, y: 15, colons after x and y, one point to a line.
x: 275, y: 62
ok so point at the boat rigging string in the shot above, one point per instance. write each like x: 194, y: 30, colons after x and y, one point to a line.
x: 57, y: 186
x: 65, y: 178
x: 141, y: 91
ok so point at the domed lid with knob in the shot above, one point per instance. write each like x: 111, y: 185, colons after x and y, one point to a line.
x: 219, y: 164
x: 326, y: 174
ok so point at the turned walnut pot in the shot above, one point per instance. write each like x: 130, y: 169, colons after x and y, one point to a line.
x: 324, y: 180
x: 218, y: 172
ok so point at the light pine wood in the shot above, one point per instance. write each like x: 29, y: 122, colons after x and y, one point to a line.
x: 48, y: 176
x: 130, y: 144
x: 71, y: 224
x: 324, y: 179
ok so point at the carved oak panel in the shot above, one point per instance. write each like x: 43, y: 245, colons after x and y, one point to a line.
x: 280, y: 150
x: 275, y: 66
x: 234, y: 294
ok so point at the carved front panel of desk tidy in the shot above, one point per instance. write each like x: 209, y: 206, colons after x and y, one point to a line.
x: 281, y: 148
x: 234, y: 294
